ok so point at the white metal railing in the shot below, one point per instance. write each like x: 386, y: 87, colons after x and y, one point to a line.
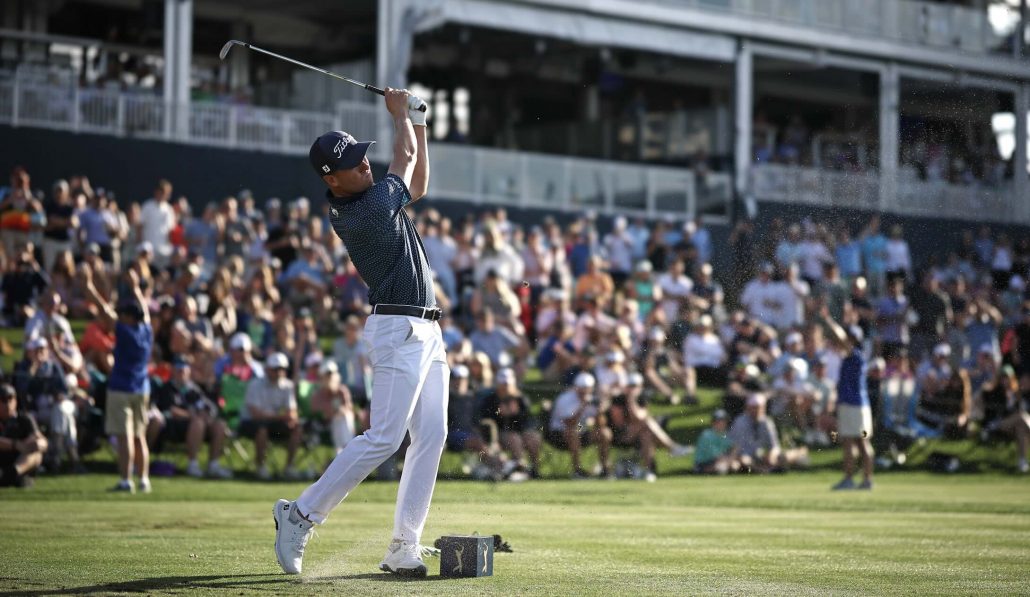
x: 147, y: 116
x: 860, y: 190
x: 908, y: 21
x: 460, y: 172
x: 482, y: 175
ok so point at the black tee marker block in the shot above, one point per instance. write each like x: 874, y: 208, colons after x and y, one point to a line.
x: 466, y: 555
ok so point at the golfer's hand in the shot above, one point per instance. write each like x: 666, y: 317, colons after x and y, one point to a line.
x: 418, y: 117
x: 397, y: 102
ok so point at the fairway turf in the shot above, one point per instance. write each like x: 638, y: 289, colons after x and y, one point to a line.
x: 780, y: 535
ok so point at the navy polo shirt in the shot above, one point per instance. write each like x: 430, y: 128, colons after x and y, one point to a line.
x: 383, y: 244
x: 132, y: 345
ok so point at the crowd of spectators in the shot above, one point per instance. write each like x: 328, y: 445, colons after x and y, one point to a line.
x: 257, y: 315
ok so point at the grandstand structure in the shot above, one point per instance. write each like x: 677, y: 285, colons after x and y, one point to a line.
x: 659, y: 108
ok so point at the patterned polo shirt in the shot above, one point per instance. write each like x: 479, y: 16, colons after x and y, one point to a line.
x: 383, y: 244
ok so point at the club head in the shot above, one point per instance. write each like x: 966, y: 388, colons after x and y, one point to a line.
x: 228, y: 46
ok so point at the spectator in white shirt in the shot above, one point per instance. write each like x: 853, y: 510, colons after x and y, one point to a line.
x: 772, y: 303
x: 611, y: 376
x: 812, y: 255
x: 619, y: 246
x: 704, y: 357
x: 499, y: 256
x: 898, y: 262
x: 676, y: 287
x: 574, y: 424
x: 156, y: 221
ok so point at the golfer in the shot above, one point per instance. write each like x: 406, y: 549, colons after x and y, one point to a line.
x: 405, y: 347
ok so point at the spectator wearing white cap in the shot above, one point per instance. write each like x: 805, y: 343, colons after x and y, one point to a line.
x: 793, y: 397
x: 574, y: 424
x: 643, y: 289
x: 756, y: 439
x: 611, y: 374
x: 704, y: 358
x: 232, y: 374
x: 271, y: 413
x: 511, y: 412
x: 331, y: 405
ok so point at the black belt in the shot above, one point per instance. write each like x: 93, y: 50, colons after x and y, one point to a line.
x: 420, y: 312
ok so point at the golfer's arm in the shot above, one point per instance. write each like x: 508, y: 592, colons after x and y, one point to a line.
x: 404, y: 149
x: 420, y: 176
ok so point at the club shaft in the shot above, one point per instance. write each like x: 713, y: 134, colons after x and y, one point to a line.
x: 316, y: 69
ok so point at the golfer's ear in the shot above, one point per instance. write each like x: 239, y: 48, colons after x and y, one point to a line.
x: 329, y: 179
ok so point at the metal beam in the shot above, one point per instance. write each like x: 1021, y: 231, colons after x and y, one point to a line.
x: 793, y: 34
x: 889, y: 99
x: 1019, y: 157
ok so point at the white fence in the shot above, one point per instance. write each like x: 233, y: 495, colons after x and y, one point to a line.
x: 481, y: 175
x: 461, y: 172
x: 860, y: 190
x: 908, y: 21
x: 149, y: 117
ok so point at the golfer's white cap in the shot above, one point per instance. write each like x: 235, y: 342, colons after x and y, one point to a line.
x: 277, y: 360
x: 584, y: 380
x: 240, y: 341
x: 505, y: 376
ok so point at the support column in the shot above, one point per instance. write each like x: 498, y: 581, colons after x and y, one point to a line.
x: 744, y: 100
x: 239, y: 62
x: 385, y: 27
x: 889, y: 100
x: 170, y: 68
x: 183, y: 64
x: 1019, y: 174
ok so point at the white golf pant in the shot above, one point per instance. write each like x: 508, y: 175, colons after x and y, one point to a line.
x: 409, y: 394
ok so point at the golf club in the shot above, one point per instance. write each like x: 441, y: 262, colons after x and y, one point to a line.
x: 235, y: 42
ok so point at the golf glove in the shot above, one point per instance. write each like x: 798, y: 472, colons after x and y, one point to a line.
x: 418, y: 118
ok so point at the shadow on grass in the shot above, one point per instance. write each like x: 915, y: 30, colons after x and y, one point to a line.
x: 272, y: 582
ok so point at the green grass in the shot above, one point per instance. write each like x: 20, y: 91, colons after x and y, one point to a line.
x: 779, y: 535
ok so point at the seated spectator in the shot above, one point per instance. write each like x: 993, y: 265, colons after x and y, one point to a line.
x: 42, y: 390
x: 21, y: 284
x: 704, y: 358
x: 351, y: 358
x: 714, y: 453
x: 676, y: 288
x: 497, y: 342
x: 555, y: 352
x: 332, y: 406
x: 574, y: 425
x: 1004, y: 412
x: 793, y: 396
x: 592, y: 323
x: 756, y: 439
x: 611, y: 376
x: 595, y: 282
x: 182, y: 413
x: 463, y: 427
x: 627, y: 418
x: 495, y: 295
x: 271, y: 413
x: 97, y: 345
x: 661, y: 370
x: 233, y: 372
x: 22, y: 445
x: 517, y: 428
x: 947, y: 404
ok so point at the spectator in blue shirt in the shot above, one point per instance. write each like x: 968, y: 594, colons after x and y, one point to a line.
x: 849, y: 256
x: 854, y: 415
x: 128, y: 386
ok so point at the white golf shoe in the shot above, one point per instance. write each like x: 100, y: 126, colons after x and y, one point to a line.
x: 405, y: 559
x: 292, y: 532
